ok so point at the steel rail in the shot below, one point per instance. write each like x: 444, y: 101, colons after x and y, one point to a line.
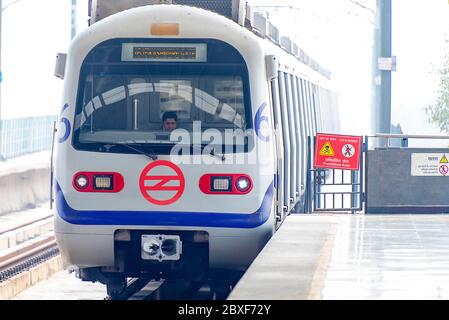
x: 26, y: 252
x: 133, y: 286
x: 166, y: 290
x: 179, y: 290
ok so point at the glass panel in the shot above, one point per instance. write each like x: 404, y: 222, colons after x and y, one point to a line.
x: 175, y: 96
x: 117, y: 108
x: 125, y: 101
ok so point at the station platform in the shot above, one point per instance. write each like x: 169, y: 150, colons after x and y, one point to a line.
x: 344, y: 256
x: 24, y: 182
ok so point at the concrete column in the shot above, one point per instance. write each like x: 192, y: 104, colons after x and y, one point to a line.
x: 381, y: 100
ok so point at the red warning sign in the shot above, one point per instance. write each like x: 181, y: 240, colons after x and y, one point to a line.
x: 337, y: 151
x: 162, y: 182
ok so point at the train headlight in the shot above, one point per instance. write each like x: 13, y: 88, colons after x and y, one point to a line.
x: 98, y: 182
x: 221, y: 183
x: 231, y: 183
x: 81, y: 181
x: 103, y: 182
x: 243, y: 184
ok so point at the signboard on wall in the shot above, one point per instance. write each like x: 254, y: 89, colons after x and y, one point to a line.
x: 386, y: 63
x: 429, y: 164
x: 336, y: 151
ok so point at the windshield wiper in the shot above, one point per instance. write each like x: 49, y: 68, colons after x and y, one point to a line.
x: 151, y: 155
x: 154, y: 156
x: 219, y: 156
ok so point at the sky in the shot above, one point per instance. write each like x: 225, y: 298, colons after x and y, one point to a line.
x: 420, y: 29
x: 339, y: 34
x: 336, y: 33
x: 30, y: 43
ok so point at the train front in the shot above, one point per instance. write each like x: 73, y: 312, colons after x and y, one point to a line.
x: 158, y: 166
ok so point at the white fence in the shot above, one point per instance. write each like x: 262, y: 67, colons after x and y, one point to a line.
x: 25, y: 135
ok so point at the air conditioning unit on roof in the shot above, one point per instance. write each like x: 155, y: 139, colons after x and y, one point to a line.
x: 233, y: 9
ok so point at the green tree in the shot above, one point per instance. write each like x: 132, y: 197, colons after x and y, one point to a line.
x: 438, y: 112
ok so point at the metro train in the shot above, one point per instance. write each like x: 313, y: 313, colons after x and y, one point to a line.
x: 134, y: 199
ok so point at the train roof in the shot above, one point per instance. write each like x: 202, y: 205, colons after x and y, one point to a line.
x: 237, y: 10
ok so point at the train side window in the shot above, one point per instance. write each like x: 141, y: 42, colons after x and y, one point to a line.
x: 305, y: 100
x: 286, y: 138
x: 309, y: 109
x: 314, y: 107
x: 292, y: 133
x: 302, y: 135
x: 299, y: 139
x: 303, y: 120
x: 279, y: 148
x: 275, y: 101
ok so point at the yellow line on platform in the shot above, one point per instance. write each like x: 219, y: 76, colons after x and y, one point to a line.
x: 319, y: 276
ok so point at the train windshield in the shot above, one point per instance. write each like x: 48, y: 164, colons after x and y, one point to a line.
x: 159, y: 104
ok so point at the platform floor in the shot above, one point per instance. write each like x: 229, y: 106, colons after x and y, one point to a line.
x: 64, y: 286
x: 352, y: 257
x: 327, y: 256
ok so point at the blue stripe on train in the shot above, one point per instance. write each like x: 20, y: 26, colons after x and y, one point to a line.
x: 161, y: 218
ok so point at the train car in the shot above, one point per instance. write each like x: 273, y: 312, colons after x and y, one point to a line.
x: 136, y: 197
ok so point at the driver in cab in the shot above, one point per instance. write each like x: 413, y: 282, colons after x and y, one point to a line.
x: 169, y: 121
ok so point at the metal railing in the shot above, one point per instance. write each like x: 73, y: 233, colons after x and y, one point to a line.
x: 389, y: 140
x: 338, y: 190
x: 335, y: 190
x: 25, y: 135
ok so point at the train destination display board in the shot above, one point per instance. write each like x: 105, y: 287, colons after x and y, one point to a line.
x: 337, y: 151
x: 165, y: 52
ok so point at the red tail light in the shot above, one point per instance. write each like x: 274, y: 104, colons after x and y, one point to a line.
x: 225, y: 184
x: 98, y: 182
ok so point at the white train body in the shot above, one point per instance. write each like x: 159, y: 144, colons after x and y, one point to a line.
x: 105, y: 229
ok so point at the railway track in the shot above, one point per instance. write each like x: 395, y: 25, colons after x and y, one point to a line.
x: 147, y: 289
x: 25, y: 246
x: 144, y: 289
